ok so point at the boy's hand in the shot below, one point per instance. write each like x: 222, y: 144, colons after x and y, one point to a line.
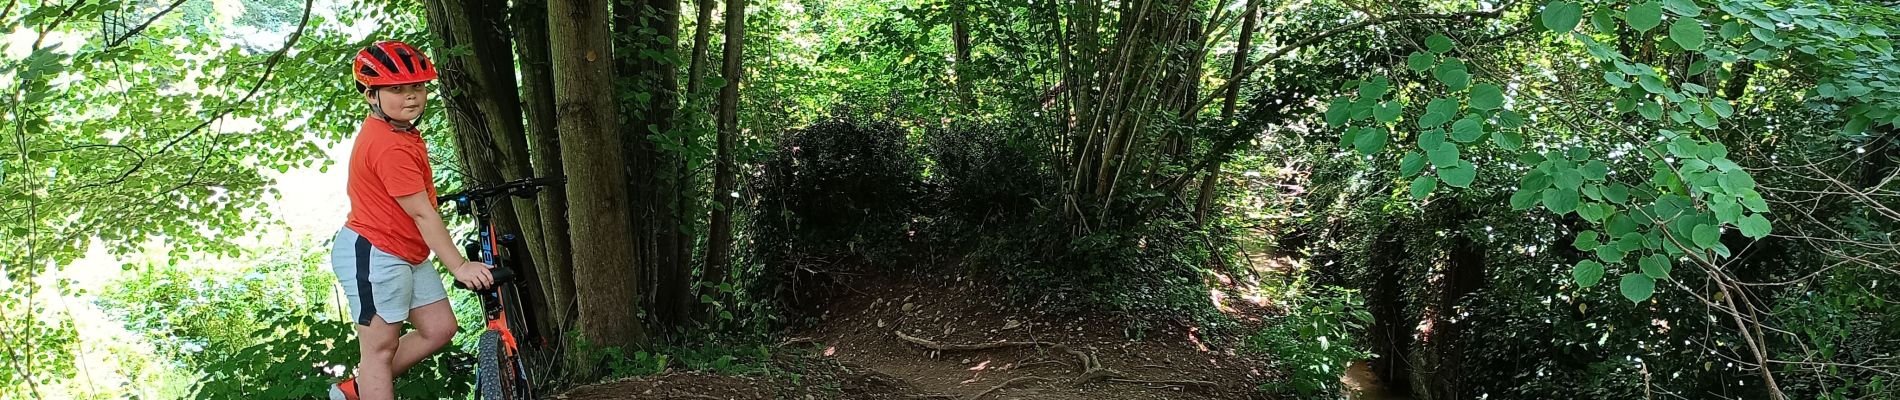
x: 474, y: 275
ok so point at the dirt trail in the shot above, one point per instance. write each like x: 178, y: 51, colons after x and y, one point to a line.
x: 904, y: 339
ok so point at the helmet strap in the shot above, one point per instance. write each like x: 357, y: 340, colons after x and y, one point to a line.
x: 377, y: 110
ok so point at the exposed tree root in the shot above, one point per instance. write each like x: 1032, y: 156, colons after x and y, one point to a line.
x: 1005, y: 384
x: 1092, y: 369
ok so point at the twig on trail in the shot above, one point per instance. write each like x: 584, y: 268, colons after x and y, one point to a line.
x: 1005, y: 384
x: 1021, y: 366
x: 1156, y: 366
x: 928, y: 344
x: 1182, y: 383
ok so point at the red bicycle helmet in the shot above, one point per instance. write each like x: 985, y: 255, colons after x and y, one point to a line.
x: 389, y: 62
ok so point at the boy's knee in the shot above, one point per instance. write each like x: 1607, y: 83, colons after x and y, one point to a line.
x: 439, y: 335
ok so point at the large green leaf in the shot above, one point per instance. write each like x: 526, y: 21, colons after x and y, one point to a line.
x: 1560, y: 200
x: 1656, y: 266
x: 1387, y: 111
x: 1453, y: 74
x: 1706, y: 236
x: 1586, y: 241
x: 1413, y: 162
x: 1423, y: 186
x: 1487, y: 97
x: 1467, y: 130
x: 1370, y: 140
x: 1686, y: 8
x: 1755, y: 226
x: 1562, y: 16
x: 1688, y: 33
x: 1445, y: 156
x: 1643, y: 17
x: 1459, y: 175
x: 1637, y: 287
x: 1439, y: 43
x: 1421, y: 62
x: 1507, y: 139
x: 1587, y: 273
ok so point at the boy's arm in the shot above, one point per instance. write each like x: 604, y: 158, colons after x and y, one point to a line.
x: 436, y: 234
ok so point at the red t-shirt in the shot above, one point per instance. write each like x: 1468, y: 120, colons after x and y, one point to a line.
x: 384, y: 165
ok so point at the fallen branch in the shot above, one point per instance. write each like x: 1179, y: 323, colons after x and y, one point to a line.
x: 928, y: 344
x: 1005, y: 384
x: 1183, y: 383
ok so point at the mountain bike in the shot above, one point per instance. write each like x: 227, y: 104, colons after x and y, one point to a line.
x: 502, y: 370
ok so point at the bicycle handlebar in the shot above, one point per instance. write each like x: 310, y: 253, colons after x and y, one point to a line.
x: 520, y: 187
x: 501, y: 275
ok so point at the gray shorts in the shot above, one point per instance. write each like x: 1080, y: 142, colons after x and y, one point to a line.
x: 378, y: 283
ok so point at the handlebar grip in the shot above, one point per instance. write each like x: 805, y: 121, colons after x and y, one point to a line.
x: 501, y: 274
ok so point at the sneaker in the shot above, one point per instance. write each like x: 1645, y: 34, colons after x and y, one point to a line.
x: 345, y: 390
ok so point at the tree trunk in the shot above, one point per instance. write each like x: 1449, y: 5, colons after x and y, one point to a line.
x: 719, y: 246
x: 1210, y: 182
x: 486, y: 112
x: 960, y: 35
x: 606, y: 283
x: 702, y: 39
x: 645, y: 70
x: 537, y: 95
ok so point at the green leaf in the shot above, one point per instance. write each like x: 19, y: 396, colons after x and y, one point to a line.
x: 1452, y: 73
x: 1688, y: 33
x: 1370, y: 140
x: 1617, y: 193
x: 1586, y: 241
x: 1587, y: 273
x: 1622, y: 224
x: 1468, y: 130
x: 1460, y: 175
x: 1686, y: 8
x: 1603, y: 21
x: 1617, y: 80
x: 1754, y: 202
x: 1706, y: 236
x: 1650, y: 111
x: 1656, y: 266
x: 1594, y: 212
x: 1630, y: 242
x: 1337, y: 111
x: 1524, y: 199
x: 1507, y: 140
x: 1387, y: 111
x: 1561, y: 201
x: 1421, y: 62
x: 1595, y: 170
x: 1637, y: 287
x: 1374, y: 89
x: 1423, y: 186
x: 1562, y: 16
x: 1643, y: 17
x: 1510, y: 119
x: 1430, y: 140
x: 1569, y: 179
x: 1439, y: 43
x: 1445, y: 156
x: 1487, y: 97
x: 1729, y: 211
x: 1755, y: 226
x: 1437, y: 113
x: 1610, y: 254
x: 1411, y: 164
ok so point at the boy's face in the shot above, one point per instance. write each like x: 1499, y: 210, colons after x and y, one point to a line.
x: 401, y: 102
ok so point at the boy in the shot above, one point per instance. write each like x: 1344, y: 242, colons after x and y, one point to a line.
x: 393, y: 226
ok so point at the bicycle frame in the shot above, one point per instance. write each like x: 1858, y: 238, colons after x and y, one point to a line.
x: 500, y: 304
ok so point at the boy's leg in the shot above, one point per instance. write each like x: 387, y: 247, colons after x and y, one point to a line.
x: 375, y: 378
x: 435, y: 325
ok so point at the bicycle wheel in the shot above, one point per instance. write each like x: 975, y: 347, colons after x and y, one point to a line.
x: 488, y: 367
